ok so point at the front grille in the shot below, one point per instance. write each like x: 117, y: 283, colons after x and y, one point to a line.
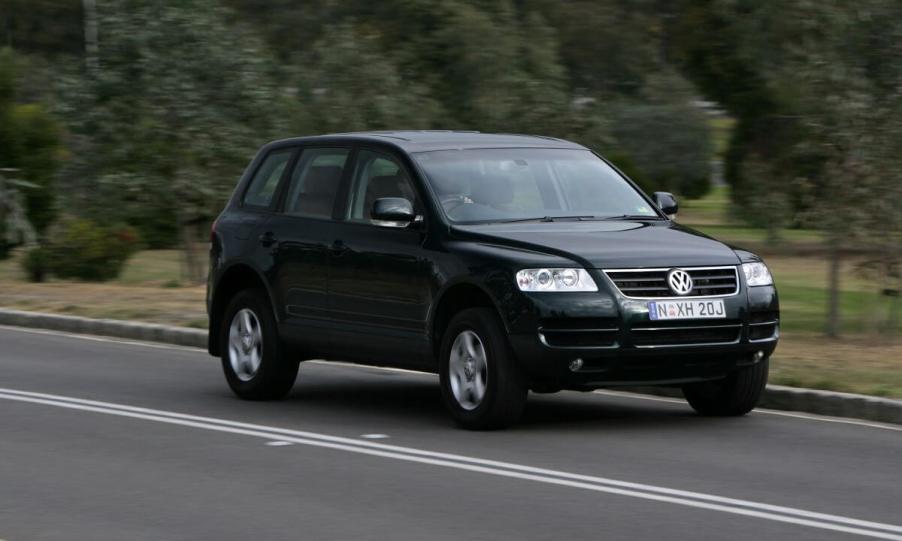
x: 682, y: 333
x: 579, y: 332
x: 652, y: 283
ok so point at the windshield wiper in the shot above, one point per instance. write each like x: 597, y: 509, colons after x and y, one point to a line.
x: 551, y: 219
x: 632, y: 217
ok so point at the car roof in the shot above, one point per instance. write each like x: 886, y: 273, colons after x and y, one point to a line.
x: 428, y: 140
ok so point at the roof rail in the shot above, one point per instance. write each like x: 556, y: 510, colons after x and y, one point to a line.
x: 389, y: 134
x: 558, y: 139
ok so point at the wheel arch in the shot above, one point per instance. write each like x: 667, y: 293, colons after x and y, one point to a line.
x: 237, y: 277
x: 454, y: 298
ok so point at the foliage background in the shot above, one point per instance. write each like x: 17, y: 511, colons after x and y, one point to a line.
x: 144, y: 112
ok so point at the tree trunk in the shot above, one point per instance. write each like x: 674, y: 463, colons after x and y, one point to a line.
x: 194, y: 259
x: 194, y: 269
x: 92, y: 50
x: 892, y: 289
x: 835, y: 262
x: 773, y: 233
x: 892, y: 315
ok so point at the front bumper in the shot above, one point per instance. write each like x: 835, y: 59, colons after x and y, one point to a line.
x: 618, y: 344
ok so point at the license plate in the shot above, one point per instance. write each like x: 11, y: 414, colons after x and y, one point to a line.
x: 687, y: 309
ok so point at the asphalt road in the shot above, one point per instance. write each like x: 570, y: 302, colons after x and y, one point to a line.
x: 110, y: 440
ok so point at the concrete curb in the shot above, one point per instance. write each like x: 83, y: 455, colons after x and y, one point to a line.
x: 149, y: 332
x: 778, y: 397
x: 801, y: 399
x: 834, y: 404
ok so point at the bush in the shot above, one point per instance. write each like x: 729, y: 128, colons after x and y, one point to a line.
x: 84, y: 250
x: 669, y: 145
x: 36, y: 264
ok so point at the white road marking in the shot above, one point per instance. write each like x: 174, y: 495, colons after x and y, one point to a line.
x: 374, y: 436
x: 608, y: 392
x: 711, y: 502
x: 279, y: 443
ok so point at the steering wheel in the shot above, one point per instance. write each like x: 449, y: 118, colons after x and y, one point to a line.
x: 451, y: 202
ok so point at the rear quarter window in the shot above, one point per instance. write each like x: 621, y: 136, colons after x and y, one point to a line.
x: 262, y: 187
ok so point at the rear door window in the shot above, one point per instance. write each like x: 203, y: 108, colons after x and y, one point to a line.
x: 315, y: 182
x: 263, y: 186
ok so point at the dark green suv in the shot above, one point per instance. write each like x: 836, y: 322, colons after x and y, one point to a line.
x: 505, y: 263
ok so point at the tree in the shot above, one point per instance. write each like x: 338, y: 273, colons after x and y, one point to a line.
x: 665, y: 135
x: 49, y: 27
x: 29, y: 142
x: 15, y: 228
x: 729, y: 49
x: 176, y: 108
x: 352, y: 86
x: 608, y: 47
x: 849, y: 105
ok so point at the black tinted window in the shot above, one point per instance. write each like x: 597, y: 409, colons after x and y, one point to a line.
x: 314, y: 182
x: 266, y: 179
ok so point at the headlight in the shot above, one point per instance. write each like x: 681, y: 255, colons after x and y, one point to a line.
x: 555, y: 280
x: 756, y: 274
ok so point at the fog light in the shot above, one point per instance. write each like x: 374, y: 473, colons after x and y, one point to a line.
x: 758, y: 355
x: 576, y: 364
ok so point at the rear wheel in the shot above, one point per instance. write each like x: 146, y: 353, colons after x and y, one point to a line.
x: 737, y: 394
x: 482, y: 386
x: 253, y: 358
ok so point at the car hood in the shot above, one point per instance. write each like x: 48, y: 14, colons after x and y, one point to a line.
x: 608, y: 245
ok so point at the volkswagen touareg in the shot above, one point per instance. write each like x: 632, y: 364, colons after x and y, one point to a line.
x: 504, y: 263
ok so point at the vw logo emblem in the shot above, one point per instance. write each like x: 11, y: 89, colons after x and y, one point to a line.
x: 679, y: 281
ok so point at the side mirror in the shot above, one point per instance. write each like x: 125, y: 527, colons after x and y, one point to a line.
x: 666, y: 202
x: 393, y: 209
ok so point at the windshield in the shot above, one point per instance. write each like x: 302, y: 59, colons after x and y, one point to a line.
x: 499, y: 185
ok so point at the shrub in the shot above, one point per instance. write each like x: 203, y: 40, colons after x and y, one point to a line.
x: 668, y: 144
x: 36, y: 264
x: 85, y: 250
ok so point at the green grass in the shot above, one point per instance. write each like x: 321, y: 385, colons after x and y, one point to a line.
x: 712, y: 215
x: 804, y: 309
x: 153, y: 267
x: 739, y: 234
x: 712, y: 209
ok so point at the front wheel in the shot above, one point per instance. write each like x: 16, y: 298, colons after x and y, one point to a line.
x: 253, y: 358
x: 737, y: 394
x: 482, y: 386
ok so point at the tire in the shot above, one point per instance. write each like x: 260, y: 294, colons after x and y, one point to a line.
x: 254, y: 360
x: 503, y: 387
x: 735, y: 395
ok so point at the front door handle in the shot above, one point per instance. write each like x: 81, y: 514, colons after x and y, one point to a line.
x: 268, y: 239
x: 338, y: 248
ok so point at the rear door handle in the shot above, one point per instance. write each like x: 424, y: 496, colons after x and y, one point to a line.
x: 268, y: 239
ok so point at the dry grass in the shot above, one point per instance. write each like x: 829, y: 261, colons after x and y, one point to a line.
x: 149, y: 289
x: 860, y: 364
x: 172, y: 306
